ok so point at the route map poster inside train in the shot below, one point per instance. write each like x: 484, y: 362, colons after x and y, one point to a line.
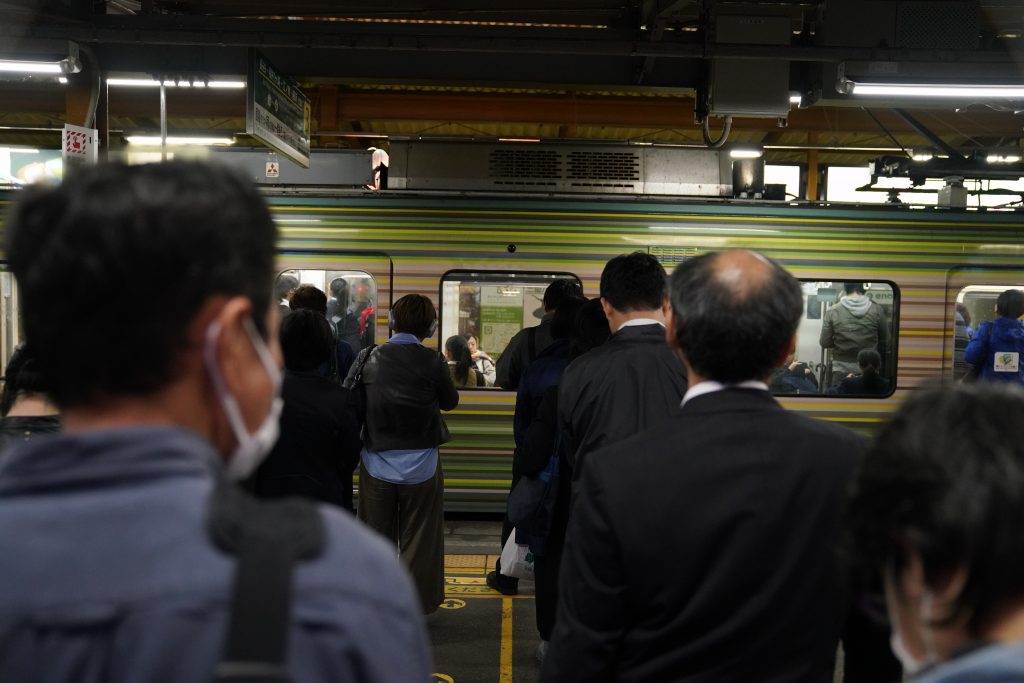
x: 501, y: 316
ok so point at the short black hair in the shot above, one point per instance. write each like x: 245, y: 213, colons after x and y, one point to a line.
x: 853, y: 287
x: 306, y: 340
x: 565, y: 317
x: 23, y: 376
x: 310, y: 298
x: 414, y: 314
x: 284, y: 284
x: 945, y: 478
x: 558, y: 291
x: 339, y: 289
x: 457, y: 347
x: 733, y: 331
x: 1011, y: 303
x: 869, y: 358
x: 633, y: 282
x: 199, y: 229
x: 590, y: 329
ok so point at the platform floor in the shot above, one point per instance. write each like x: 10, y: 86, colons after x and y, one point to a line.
x: 480, y: 635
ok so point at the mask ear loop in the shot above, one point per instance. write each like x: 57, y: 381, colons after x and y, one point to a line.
x: 228, y: 401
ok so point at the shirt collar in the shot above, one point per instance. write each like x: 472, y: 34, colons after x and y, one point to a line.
x: 710, y: 387
x: 637, y: 322
x: 404, y: 338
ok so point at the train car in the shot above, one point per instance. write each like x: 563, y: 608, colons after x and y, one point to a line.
x: 485, y: 261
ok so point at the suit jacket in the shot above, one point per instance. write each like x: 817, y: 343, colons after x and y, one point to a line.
x: 706, y: 550
x: 626, y: 385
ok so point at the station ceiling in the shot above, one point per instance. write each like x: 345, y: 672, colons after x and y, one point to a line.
x: 617, y: 70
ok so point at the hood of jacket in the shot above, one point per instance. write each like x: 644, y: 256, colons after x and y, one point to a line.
x: 1007, y: 330
x: 857, y: 304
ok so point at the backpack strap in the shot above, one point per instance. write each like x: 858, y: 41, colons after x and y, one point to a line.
x: 268, y: 538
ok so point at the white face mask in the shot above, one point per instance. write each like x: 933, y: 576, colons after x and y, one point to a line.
x: 911, y: 664
x: 253, y: 448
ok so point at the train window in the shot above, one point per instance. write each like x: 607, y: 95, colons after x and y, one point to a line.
x: 351, y: 301
x: 975, y: 304
x: 10, y: 318
x: 489, y: 307
x: 846, y: 342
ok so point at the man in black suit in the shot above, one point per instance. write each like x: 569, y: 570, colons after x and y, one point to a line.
x: 632, y: 381
x: 705, y: 549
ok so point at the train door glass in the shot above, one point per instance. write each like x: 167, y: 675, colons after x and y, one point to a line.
x: 490, y: 307
x: 975, y: 304
x: 351, y: 300
x: 846, y: 342
x: 10, y: 318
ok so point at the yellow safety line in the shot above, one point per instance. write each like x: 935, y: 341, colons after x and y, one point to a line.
x: 506, y: 641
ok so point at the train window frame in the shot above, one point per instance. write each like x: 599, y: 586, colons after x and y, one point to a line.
x: 487, y: 275
x: 894, y: 342
x: 964, y: 292
x: 358, y: 272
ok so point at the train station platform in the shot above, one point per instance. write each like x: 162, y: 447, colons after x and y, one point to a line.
x: 480, y: 635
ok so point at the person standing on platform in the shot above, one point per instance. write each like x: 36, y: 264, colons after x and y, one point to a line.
x: 704, y: 548
x: 128, y: 554
x: 634, y: 380
x: 401, y: 483
x: 529, y: 342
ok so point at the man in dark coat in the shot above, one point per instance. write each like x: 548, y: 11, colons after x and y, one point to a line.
x: 705, y: 549
x: 631, y: 382
x: 318, y: 449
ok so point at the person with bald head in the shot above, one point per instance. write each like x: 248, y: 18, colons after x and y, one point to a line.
x: 704, y: 548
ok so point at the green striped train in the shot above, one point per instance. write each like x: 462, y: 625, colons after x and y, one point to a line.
x: 927, y: 261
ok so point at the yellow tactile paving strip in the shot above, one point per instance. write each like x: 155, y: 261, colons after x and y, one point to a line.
x: 466, y: 576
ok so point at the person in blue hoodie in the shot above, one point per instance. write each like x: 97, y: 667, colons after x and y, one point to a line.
x: 998, y: 345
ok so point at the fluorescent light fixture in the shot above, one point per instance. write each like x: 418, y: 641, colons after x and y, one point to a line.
x: 950, y: 91
x: 518, y: 139
x: 746, y: 153
x: 24, y: 67
x: 174, y: 141
x: 20, y: 150
x: 796, y: 98
x: 922, y: 155
x: 1003, y: 158
x: 62, y: 80
x: 154, y: 83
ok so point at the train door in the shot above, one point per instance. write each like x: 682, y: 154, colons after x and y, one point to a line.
x: 359, y: 289
x: 971, y: 295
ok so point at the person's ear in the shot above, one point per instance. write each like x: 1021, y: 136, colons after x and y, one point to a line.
x: 232, y: 349
x: 666, y: 307
x: 607, y: 308
x: 790, y: 348
x: 670, y: 330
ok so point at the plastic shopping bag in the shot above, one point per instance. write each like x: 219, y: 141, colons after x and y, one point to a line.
x: 516, y: 559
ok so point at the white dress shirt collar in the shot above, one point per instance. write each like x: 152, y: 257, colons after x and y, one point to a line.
x: 710, y: 387
x: 637, y: 322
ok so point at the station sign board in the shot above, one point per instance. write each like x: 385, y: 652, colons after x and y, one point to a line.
x: 277, y: 112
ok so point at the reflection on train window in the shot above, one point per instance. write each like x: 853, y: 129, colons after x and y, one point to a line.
x: 10, y: 318
x: 351, y: 301
x: 488, y: 307
x: 975, y: 304
x: 846, y: 342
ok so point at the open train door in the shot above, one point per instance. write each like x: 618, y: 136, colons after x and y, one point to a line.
x: 359, y: 287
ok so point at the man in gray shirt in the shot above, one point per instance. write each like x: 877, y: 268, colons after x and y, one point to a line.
x: 109, y: 571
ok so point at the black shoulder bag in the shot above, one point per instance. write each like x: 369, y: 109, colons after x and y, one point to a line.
x: 268, y: 538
